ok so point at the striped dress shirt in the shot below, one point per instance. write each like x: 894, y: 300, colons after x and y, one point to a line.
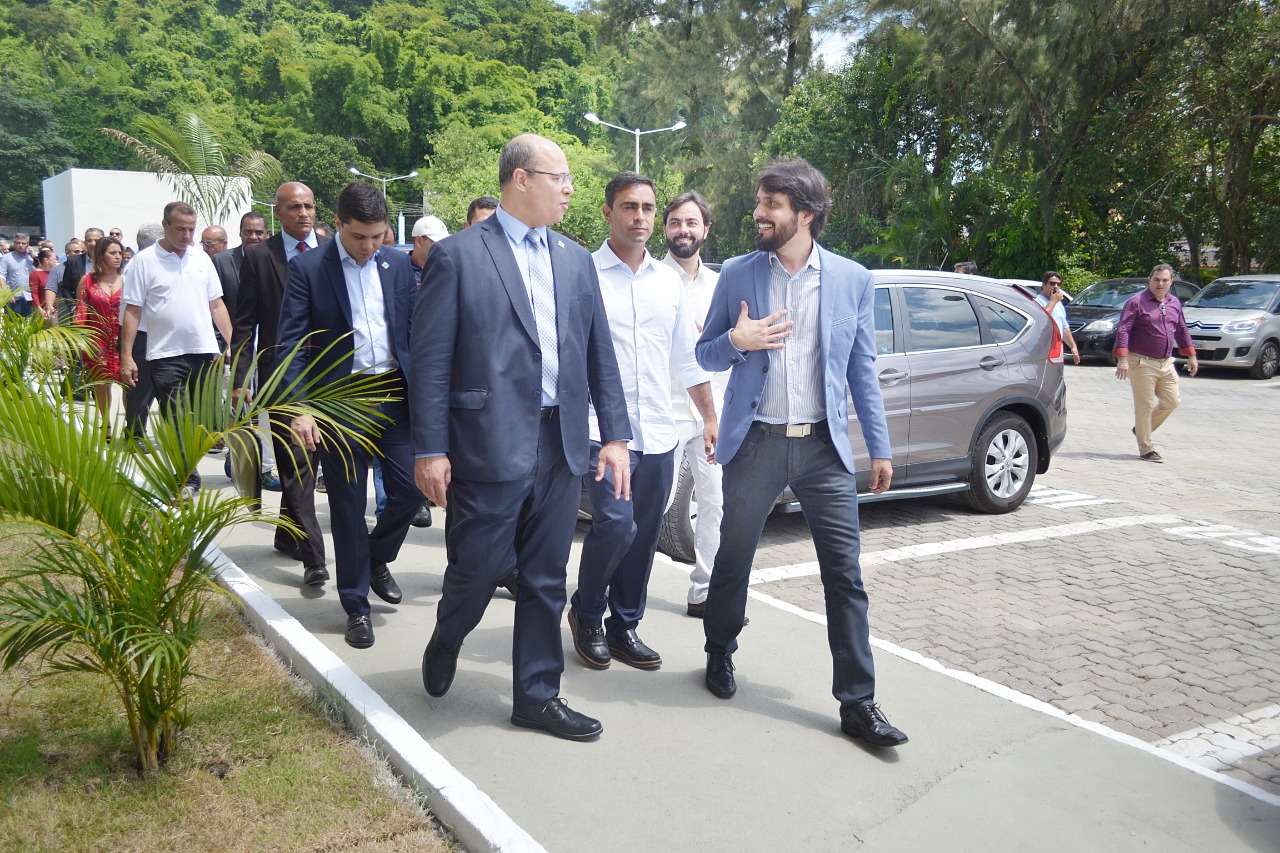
x: 793, y: 388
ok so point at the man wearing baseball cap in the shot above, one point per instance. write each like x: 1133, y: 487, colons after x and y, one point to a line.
x: 427, y: 231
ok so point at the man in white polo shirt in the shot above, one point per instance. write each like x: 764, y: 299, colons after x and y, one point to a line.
x: 177, y: 293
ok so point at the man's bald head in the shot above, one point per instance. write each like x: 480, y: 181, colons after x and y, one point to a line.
x: 213, y: 240
x: 534, y: 175
x: 296, y: 209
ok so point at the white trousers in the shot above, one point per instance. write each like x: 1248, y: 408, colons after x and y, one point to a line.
x: 710, y: 507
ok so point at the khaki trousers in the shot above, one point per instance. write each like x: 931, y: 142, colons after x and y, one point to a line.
x: 1155, y: 395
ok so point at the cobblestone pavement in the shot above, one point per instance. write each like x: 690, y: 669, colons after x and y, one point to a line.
x: 1144, y: 597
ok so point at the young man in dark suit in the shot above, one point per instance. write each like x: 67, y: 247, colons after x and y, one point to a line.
x: 509, y: 338
x: 351, y: 301
x: 255, y: 321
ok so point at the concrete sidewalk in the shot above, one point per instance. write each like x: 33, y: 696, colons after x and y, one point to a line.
x: 678, y: 769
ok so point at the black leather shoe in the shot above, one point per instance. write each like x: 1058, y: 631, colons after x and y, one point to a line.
x: 720, y: 674
x: 315, y: 575
x: 359, y: 632
x: 698, y: 610
x: 557, y: 717
x: 381, y: 582
x: 423, y: 518
x: 439, y: 665
x: 290, y: 551
x: 632, y: 651
x: 867, y: 721
x: 510, y: 583
x: 589, y: 642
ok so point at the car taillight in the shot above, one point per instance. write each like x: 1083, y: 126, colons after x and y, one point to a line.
x: 1055, y: 348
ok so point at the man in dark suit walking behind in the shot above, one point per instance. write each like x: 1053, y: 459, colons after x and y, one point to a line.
x: 255, y: 321
x: 509, y: 336
x: 354, y: 303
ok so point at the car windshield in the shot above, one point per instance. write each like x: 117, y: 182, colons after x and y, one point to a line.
x: 1247, y: 295
x: 1107, y: 294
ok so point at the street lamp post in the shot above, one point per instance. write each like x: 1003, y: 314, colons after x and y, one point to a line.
x: 271, y: 208
x: 353, y: 170
x: 595, y: 119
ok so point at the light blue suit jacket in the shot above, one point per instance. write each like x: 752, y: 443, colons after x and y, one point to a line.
x: 847, y: 323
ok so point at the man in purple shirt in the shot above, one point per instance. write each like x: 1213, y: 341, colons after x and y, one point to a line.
x: 1151, y: 324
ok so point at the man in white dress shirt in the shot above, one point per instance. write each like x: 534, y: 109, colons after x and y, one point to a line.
x: 652, y: 331
x: 686, y: 222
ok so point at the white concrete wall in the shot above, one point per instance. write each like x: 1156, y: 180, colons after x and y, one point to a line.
x: 102, y: 198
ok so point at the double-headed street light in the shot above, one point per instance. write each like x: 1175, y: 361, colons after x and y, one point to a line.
x: 270, y: 206
x: 595, y: 119
x: 353, y: 170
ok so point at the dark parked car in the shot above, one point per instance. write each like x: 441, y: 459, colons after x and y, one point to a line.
x: 1235, y: 322
x: 1095, y: 312
x: 972, y: 377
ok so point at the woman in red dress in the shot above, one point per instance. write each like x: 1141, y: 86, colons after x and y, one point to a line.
x: 41, y: 297
x: 98, y: 307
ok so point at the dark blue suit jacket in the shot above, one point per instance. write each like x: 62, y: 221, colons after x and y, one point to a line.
x: 315, y: 301
x: 477, y: 371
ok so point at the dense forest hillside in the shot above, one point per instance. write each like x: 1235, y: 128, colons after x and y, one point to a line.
x: 1050, y: 133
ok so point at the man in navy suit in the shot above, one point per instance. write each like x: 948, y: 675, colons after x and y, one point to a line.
x: 509, y: 338
x: 354, y: 301
x: 785, y: 423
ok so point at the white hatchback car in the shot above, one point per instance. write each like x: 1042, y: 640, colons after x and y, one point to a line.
x: 1235, y: 322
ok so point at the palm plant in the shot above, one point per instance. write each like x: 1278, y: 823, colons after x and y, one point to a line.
x: 201, y: 170
x: 112, y: 579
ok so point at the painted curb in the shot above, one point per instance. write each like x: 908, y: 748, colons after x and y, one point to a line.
x: 470, y: 814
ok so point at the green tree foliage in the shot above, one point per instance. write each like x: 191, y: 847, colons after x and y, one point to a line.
x: 201, y: 170
x: 117, y: 583
x: 32, y: 148
x: 725, y: 66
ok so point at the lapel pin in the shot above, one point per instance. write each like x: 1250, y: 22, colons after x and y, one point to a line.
x: 386, y: 266
x: 560, y: 243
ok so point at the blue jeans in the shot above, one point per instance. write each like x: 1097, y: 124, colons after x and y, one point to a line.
x: 764, y: 465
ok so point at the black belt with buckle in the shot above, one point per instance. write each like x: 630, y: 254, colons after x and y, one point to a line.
x: 549, y: 412
x: 793, y: 430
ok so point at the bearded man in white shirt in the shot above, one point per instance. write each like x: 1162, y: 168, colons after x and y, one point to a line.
x: 686, y: 222
x: 653, y: 332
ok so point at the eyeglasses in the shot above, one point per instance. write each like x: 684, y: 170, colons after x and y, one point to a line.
x: 564, y: 178
x: 116, y: 234
x: 208, y: 243
x: 1161, y: 309
x: 1055, y: 283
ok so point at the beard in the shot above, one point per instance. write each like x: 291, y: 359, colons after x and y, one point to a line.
x: 781, y: 235
x: 685, y: 248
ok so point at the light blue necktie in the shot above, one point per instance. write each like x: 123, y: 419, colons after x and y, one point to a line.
x: 544, y: 312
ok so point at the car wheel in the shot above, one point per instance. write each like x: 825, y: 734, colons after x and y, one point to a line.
x: 1264, y: 367
x: 675, y: 539
x: 1003, y: 465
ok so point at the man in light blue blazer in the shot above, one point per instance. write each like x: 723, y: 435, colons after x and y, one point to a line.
x: 795, y: 323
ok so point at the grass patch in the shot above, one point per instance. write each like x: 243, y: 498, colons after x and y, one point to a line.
x: 259, y: 767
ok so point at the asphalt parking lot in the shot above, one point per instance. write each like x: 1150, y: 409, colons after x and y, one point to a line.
x: 1144, y: 597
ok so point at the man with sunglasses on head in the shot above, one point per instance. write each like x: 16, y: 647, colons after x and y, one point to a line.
x: 1151, y: 325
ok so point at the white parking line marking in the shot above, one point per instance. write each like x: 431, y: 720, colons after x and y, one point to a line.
x: 1063, y: 498
x: 1234, y: 537
x: 1225, y: 744
x: 934, y: 549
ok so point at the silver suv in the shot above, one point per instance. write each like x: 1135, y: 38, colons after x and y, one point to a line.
x: 972, y: 377
x: 1235, y: 322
